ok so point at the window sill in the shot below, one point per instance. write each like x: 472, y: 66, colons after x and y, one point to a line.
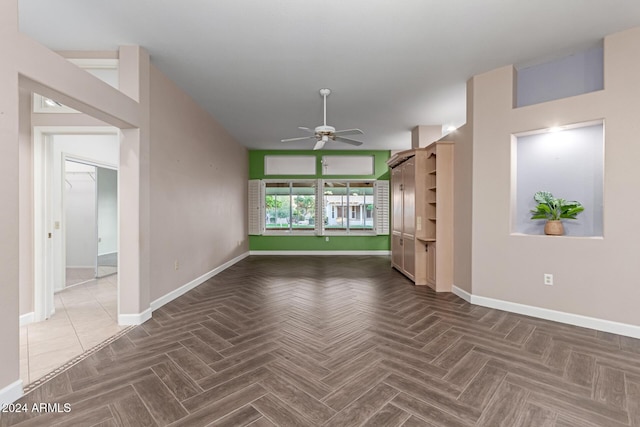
x: 313, y: 233
x: 289, y: 233
x: 349, y: 233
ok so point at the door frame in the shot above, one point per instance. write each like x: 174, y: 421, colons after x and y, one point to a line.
x: 44, y: 254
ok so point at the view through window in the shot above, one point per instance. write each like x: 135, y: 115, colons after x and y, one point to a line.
x: 290, y: 205
x: 348, y: 205
x: 340, y: 207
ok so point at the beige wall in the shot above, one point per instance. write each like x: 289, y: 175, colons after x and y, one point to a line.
x: 198, y: 190
x: 595, y: 277
x: 463, y: 196
x: 9, y: 214
x: 462, y: 211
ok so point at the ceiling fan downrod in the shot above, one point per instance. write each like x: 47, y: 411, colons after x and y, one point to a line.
x: 324, y: 93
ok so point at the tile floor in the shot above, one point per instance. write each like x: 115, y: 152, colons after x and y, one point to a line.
x: 342, y: 341
x: 75, y: 276
x: 85, y: 316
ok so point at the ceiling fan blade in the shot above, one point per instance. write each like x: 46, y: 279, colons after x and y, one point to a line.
x: 319, y: 144
x: 302, y: 138
x: 306, y: 129
x: 349, y: 132
x: 348, y: 141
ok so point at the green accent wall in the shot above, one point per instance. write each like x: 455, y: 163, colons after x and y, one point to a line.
x: 319, y: 243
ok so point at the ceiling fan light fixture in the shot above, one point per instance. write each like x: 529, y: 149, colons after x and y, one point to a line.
x: 323, y: 133
x: 319, y: 144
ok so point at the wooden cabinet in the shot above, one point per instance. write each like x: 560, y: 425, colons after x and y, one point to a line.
x: 422, y: 207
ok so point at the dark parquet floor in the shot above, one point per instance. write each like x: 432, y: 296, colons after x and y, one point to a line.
x: 342, y: 341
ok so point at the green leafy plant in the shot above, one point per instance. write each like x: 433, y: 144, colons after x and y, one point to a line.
x: 554, y: 209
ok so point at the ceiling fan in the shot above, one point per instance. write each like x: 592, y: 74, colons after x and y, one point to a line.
x: 323, y: 134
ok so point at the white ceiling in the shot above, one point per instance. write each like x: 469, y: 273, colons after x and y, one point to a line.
x: 257, y: 65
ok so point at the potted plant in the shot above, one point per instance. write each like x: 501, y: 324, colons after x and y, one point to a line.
x: 554, y: 210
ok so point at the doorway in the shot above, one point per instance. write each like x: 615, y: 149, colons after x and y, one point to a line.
x: 76, y: 227
x: 90, y: 221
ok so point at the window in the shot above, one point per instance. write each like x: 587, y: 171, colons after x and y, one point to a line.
x: 348, y: 202
x: 348, y: 165
x: 289, y: 165
x: 319, y: 207
x: 106, y: 69
x: 290, y: 206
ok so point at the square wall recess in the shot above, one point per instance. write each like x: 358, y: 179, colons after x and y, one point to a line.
x: 569, y: 163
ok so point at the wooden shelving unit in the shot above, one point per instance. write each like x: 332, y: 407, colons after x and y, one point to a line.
x: 422, y: 206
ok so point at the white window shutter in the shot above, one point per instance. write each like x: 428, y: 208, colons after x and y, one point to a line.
x: 382, y: 207
x: 320, y: 207
x: 256, y: 207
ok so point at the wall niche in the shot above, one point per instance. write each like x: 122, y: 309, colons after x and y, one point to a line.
x: 567, y: 161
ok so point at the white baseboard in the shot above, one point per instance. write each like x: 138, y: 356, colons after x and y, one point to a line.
x: 140, y: 318
x: 462, y: 293
x: 196, y: 282
x: 27, y: 318
x: 618, y: 328
x: 11, y: 393
x: 108, y: 253
x: 134, y: 319
x: 294, y: 252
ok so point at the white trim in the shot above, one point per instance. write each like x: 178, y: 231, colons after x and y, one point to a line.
x: 43, y: 275
x: 95, y: 63
x: 134, y: 319
x: 461, y: 293
x: 294, y: 252
x: 11, y: 393
x: 381, y: 202
x: 140, y: 318
x: 256, y: 207
x: 27, y: 318
x: 196, y: 282
x: 618, y: 328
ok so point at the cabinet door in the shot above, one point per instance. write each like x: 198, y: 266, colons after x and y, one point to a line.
x: 409, y: 198
x: 396, y: 194
x: 431, y: 265
x: 397, y: 254
x: 409, y: 256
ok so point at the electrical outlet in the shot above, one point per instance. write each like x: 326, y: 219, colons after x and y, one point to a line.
x: 176, y: 265
x: 548, y: 279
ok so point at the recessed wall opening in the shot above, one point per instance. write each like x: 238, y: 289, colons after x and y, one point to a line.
x: 568, y: 162
x: 576, y: 74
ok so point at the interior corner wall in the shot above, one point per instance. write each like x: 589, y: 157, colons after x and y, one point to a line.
x: 462, y: 212
x: 198, y: 190
x: 25, y: 185
x: 462, y: 197
x: 594, y: 277
x: 10, y: 384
